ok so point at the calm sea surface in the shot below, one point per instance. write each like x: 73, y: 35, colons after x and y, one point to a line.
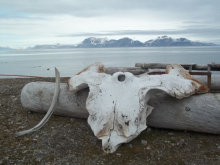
x: 71, y: 61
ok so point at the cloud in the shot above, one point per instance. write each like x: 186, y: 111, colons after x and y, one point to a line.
x: 197, y: 9
x: 192, y: 31
x: 71, y: 20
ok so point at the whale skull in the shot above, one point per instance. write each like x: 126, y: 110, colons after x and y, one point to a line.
x: 117, y: 104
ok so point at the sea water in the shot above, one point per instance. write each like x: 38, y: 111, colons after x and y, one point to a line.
x: 41, y: 62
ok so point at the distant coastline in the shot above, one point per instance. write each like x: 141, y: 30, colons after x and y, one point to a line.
x: 92, y: 42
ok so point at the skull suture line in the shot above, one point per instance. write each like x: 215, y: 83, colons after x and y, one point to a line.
x: 117, y: 104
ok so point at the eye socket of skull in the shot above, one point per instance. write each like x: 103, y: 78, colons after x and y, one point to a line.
x: 121, y: 77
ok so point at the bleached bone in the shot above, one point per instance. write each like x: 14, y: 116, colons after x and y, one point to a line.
x: 117, y: 104
x: 50, y: 111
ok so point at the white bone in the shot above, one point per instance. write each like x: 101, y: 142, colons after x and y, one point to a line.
x: 117, y: 104
x: 50, y: 111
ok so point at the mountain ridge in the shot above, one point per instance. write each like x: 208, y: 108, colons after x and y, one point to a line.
x: 92, y: 42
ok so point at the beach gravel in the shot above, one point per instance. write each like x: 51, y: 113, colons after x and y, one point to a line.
x: 66, y: 140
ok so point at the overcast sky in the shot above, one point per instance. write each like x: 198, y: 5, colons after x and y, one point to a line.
x: 31, y: 22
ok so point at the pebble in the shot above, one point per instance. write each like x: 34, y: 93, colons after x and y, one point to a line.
x: 148, y: 148
x: 171, y: 133
x: 148, y: 129
x: 182, y: 140
x: 144, y: 142
x: 219, y: 147
x: 152, y: 154
x: 25, y: 151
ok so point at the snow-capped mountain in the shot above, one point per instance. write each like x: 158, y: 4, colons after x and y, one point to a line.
x: 93, y: 42
x: 104, y: 42
x: 168, y: 41
x: 124, y: 42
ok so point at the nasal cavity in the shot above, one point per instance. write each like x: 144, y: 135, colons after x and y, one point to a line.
x: 121, y: 77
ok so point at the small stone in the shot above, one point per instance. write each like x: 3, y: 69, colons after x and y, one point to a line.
x: 144, y: 142
x: 152, y: 154
x: 48, y: 68
x: 118, y: 154
x: 219, y: 147
x: 148, y: 148
x: 172, y: 144
x: 187, y: 109
x: 148, y: 129
x: 130, y: 145
x: 182, y: 140
x: 171, y: 133
x: 72, y: 119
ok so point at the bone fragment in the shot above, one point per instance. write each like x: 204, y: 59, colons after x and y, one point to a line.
x: 49, y: 112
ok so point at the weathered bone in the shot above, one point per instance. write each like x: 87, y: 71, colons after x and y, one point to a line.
x: 117, y: 104
x: 50, y: 111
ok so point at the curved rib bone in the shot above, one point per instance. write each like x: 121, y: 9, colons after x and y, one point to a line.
x: 50, y: 111
x: 117, y: 104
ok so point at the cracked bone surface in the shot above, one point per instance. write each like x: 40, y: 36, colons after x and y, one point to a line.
x: 117, y: 104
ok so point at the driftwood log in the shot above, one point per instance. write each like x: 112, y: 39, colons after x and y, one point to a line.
x: 208, y: 67
x: 200, y: 113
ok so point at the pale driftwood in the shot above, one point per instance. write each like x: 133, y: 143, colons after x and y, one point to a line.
x: 37, y: 96
x: 213, y: 67
x: 200, y: 113
x: 133, y: 70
